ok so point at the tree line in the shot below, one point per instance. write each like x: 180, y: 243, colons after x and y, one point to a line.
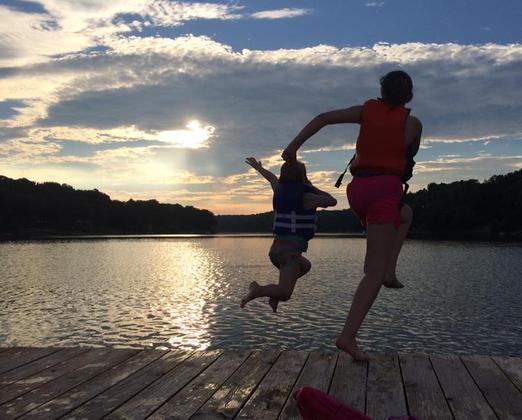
x: 458, y: 210
x: 31, y: 209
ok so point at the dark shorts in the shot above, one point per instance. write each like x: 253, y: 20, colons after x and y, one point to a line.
x: 285, y: 252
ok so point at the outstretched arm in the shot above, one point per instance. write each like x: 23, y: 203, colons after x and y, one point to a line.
x: 348, y: 115
x: 258, y: 166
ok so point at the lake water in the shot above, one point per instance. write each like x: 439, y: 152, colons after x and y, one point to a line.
x: 460, y: 297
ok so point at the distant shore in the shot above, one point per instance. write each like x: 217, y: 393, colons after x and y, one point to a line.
x: 473, y: 236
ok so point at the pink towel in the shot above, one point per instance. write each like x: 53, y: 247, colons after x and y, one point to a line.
x: 314, y: 404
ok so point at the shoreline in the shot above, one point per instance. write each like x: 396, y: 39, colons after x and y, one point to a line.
x: 339, y: 235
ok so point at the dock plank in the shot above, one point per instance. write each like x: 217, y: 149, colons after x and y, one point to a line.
x: 423, y: 393
x: 26, y: 384
x: 230, y: 397
x: 512, y: 367
x: 147, y: 401
x: 500, y: 392
x: 124, y: 390
x: 270, y: 396
x: 464, y: 398
x: 76, y: 396
x: 15, y: 357
x: 349, y: 382
x: 187, y: 401
x: 385, y: 393
x: 93, y: 363
x: 317, y: 373
x: 37, y: 365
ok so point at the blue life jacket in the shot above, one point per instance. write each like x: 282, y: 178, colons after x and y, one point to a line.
x: 290, y: 217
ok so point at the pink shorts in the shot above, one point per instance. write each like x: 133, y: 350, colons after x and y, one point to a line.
x: 376, y: 199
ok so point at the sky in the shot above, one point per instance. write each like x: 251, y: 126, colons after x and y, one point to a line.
x: 159, y: 99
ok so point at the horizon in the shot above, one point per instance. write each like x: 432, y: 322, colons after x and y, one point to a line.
x: 156, y: 99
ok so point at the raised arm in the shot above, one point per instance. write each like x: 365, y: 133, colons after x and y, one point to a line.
x: 340, y: 116
x: 258, y: 166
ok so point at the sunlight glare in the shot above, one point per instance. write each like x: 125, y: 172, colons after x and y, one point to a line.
x: 194, y: 136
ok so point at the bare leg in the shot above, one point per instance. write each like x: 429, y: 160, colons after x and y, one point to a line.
x: 391, y: 280
x: 391, y: 277
x: 379, y: 245
x: 288, y: 275
x: 305, y: 268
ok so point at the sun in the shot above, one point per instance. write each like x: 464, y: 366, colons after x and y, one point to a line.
x: 193, y: 136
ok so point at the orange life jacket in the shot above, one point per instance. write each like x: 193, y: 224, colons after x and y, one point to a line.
x: 380, y: 146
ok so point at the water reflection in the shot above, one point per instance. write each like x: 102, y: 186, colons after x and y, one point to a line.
x: 184, y: 293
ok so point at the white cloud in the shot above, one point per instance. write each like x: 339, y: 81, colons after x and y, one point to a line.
x: 281, y: 13
x: 374, y: 4
x: 145, y: 90
x: 69, y: 26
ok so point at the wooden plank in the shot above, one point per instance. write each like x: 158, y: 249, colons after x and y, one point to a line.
x: 15, y: 357
x: 92, y: 363
x: 152, y: 397
x: 115, y: 396
x: 385, y: 393
x: 231, y: 396
x: 512, y: 367
x: 464, y: 398
x: 38, y: 365
x: 424, y: 395
x: 187, y: 401
x: 76, y: 396
x: 502, y: 395
x: 268, y: 400
x: 41, y: 377
x: 349, y: 382
x: 317, y: 373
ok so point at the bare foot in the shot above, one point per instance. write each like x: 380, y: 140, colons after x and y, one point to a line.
x: 393, y: 283
x: 350, y: 346
x: 250, y: 295
x: 273, y: 302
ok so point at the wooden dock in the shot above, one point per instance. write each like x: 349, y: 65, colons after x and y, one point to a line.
x: 87, y: 383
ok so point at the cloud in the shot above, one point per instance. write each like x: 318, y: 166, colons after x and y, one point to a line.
x: 374, y: 4
x: 281, y: 13
x: 69, y: 26
x: 130, y: 105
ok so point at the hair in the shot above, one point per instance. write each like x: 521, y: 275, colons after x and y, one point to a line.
x: 293, y: 172
x: 397, y: 87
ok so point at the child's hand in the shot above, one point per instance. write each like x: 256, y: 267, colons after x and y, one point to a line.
x: 254, y: 163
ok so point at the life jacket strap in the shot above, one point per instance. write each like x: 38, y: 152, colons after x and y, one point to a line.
x: 294, y: 221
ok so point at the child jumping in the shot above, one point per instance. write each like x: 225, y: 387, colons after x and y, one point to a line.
x: 295, y: 202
